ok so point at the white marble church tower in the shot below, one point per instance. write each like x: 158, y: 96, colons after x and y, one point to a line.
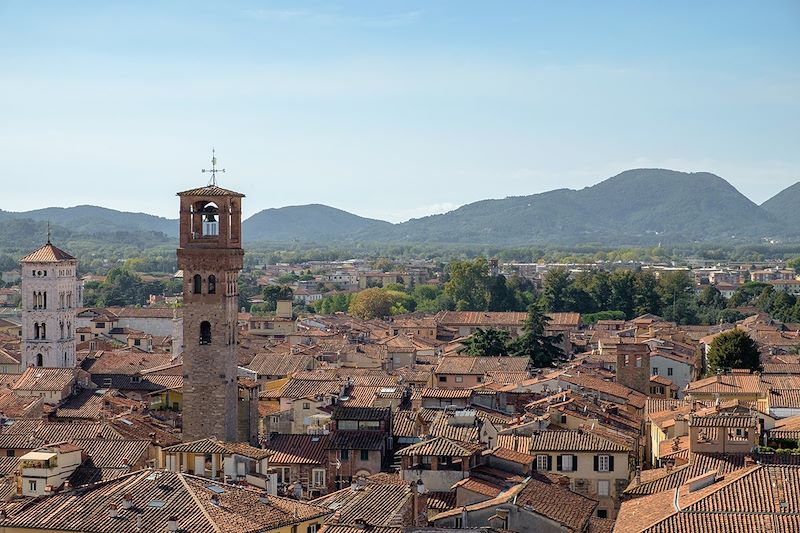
x: 50, y: 295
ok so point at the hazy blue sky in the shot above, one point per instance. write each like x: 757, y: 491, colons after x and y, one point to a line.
x: 389, y: 109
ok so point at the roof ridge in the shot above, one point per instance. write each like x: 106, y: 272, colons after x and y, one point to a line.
x: 199, y: 503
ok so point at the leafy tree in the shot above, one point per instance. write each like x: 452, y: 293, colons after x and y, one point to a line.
x: 371, y: 303
x: 501, y: 296
x: 555, y: 290
x: 248, y: 288
x: 711, y: 297
x: 675, y: 290
x: 336, y: 303
x: 794, y: 263
x: 542, y: 349
x: 591, y: 318
x: 623, y: 291
x: 487, y: 342
x: 383, y: 264
x: 272, y: 293
x: 599, y: 287
x: 646, y: 298
x: 733, y: 349
x: 468, y: 284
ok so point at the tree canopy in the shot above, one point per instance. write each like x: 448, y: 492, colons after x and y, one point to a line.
x: 489, y: 341
x: 733, y: 349
x: 534, y: 343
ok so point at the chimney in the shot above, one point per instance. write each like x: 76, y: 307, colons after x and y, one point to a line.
x: 215, y: 500
x: 113, y: 510
x: 172, y: 523
x: 563, y: 481
x: 264, y: 497
x: 127, y: 500
x: 748, y: 461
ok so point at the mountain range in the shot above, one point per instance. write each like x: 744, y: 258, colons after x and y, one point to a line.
x: 636, y: 207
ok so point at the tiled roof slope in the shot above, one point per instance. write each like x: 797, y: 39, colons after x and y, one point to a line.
x: 298, y: 449
x: 441, y: 446
x: 47, y: 254
x: 210, y: 190
x: 157, y: 496
x: 575, y: 441
x: 755, y: 498
x: 544, y: 497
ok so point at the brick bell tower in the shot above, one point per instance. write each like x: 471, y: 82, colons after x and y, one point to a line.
x: 211, y: 257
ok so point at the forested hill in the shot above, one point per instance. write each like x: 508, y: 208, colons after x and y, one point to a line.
x: 90, y: 219
x: 637, y: 207
x: 314, y: 222
x: 786, y: 205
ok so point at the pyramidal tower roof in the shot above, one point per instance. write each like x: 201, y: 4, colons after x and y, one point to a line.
x: 47, y: 254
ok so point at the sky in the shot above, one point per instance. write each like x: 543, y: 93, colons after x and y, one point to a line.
x: 389, y: 109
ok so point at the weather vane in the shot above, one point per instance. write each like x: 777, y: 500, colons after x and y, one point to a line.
x: 213, y: 169
x: 48, y: 232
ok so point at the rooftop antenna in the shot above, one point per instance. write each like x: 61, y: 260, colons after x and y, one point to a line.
x: 214, y: 169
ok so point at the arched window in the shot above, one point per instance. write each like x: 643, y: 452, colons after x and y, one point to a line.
x: 212, y: 284
x: 35, y: 330
x: 197, y: 283
x: 61, y: 327
x: 44, y: 300
x: 43, y: 330
x: 205, y: 332
x: 39, y: 360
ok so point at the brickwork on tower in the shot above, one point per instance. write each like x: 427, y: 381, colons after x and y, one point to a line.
x: 211, y: 257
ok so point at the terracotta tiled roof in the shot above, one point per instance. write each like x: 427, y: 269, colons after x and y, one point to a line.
x: 47, y: 254
x: 575, y: 441
x: 357, y: 440
x: 480, y: 318
x: 199, y: 504
x: 662, y: 479
x: 298, y: 449
x: 479, y: 486
x: 380, y: 502
x: 441, y: 446
x: 218, y: 446
x: 729, y: 384
x: 210, y: 190
x: 44, y: 379
x: 85, y: 405
x: 361, y: 413
x: 511, y: 455
x: 481, y: 365
x: 724, y: 420
x: 544, y: 497
x: 271, y: 364
x: 13, y: 405
x: 446, y: 393
x: 757, y: 498
x: 518, y: 443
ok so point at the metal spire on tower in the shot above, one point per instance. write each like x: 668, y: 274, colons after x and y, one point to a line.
x: 213, y: 170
